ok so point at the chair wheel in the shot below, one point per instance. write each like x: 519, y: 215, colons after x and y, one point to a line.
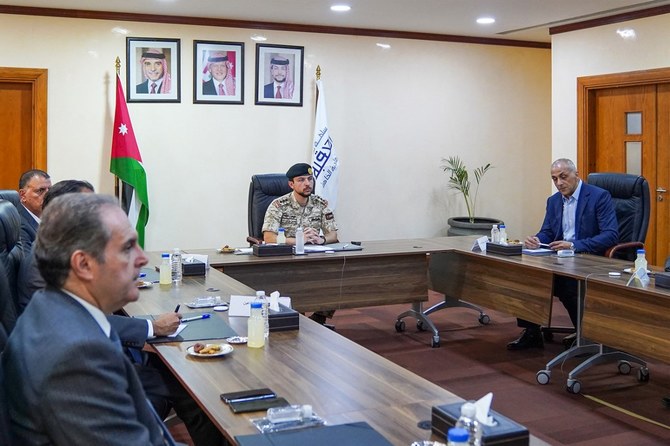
x: 624, y: 367
x: 419, y: 325
x: 400, y: 326
x: 484, y: 319
x: 435, y: 342
x: 643, y: 374
x: 543, y: 377
x: 573, y: 386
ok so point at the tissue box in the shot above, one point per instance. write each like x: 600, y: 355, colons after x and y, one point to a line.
x: 284, y: 320
x: 662, y: 280
x: 505, y: 432
x: 506, y: 250
x: 194, y: 268
x: 272, y: 250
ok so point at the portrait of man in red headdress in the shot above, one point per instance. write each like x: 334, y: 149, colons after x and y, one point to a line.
x: 152, y: 70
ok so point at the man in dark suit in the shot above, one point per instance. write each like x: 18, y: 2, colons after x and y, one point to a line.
x: 220, y: 68
x: 281, y: 86
x: 67, y: 380
x: 32, y: 187
x: 579, y: 217
x: 162, y: 388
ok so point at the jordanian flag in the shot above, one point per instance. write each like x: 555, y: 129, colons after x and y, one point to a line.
x: 126, y: 164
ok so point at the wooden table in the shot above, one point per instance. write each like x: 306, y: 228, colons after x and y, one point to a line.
x: 384, y: 272
x: 343, y: 381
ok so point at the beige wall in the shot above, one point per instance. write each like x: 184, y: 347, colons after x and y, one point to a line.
x: 393, y: 115
x: 599, y: 51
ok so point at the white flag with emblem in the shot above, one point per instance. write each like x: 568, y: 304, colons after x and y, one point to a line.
x: 325, y: 162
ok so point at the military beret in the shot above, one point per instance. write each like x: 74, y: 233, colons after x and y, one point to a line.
x: 298, y: 170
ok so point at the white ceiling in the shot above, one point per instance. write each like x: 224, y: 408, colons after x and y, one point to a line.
x: 515, y: 19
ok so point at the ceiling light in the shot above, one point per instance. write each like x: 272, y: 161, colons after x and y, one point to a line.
x: 486, y: 20
x: 258, y: 38
x: 385, y: 46
x: 340, y: 8
x: 119, y: 30
x: 626, y: 33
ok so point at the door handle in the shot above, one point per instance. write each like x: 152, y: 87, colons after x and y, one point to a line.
x: 660, y: 191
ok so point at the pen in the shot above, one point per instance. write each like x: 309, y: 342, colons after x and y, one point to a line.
x: 253, y: 398
x: 345, y: 245
x: 176, y: 310
x: 544, y: 245
x: 195, y: 318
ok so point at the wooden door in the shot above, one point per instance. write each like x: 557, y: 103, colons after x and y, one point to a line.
x: 623, y: 125
x: 23, y: 119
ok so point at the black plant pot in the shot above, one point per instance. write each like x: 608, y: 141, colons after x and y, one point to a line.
x: 481, y: 226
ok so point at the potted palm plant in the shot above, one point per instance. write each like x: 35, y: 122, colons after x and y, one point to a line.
x: 459, y: 180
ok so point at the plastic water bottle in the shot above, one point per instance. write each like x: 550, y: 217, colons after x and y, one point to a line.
x: 281, y: 237
x: 294, y: 412
x: 255, y: 326
x: 468, y: 421
x: 457, y: 436
x: 299, y: 241
x: 165, y: 275
x: 263, y: 299
x: 641, y: 260
x: 495, y: 234
x: 503, y: 235
x: 176, y: 266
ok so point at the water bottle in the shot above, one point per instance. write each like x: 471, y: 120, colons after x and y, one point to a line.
x: 641, y: 260
x: 255, y: 326
x: 457, y: 436
x: 165, y: 276
x: 503, y: 235
x: 468, y: 421
x: 299, y: 241
x: 176, y: 266
x: 263, y: 299
x: 281, y: 237
x: 294, y: 412
x: 495, y: 234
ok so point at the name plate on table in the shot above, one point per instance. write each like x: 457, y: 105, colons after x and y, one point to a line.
x: 505, y: 432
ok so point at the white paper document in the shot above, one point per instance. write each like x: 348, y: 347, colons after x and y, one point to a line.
x: 179, y: 330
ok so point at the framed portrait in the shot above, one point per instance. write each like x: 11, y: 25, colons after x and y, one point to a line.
x: 279, y: 75
x: 218, y: 72
x: 152, y: 70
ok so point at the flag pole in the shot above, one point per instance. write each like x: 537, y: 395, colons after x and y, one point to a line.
x: 117, y: 192
x: 318, y: 78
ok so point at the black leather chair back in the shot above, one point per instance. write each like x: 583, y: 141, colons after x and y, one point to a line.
x: 630, y: 195
x: 10, y: 258
x: 263, y: 189
x: 10, y: 195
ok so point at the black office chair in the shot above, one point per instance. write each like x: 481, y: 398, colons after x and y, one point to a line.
x: 262, y: 190
x: 630, y: 195
x: 10, y: 195
x: 10, y: 258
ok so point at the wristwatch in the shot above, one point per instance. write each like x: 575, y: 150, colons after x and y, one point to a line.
x: 572, y: 246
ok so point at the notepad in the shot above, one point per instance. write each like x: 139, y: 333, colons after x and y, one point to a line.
x: 537, y: 252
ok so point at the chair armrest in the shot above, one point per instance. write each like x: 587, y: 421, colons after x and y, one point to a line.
x: 623, y: 246
x: 254, y: 241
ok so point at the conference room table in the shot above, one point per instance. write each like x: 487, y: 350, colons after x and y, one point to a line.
x: 383, y: 272
x: 343, y: 381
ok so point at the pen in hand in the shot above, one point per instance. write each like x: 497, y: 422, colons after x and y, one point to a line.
x: 176, y: 310
x: 195, y: 318
x: 544, y: 245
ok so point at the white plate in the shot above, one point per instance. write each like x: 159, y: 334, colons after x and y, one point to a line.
x: 225, y: 349
x: 143, y: 284
x: 630, y: 271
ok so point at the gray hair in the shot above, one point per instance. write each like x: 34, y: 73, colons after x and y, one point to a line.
x: 71, y: 222
x: 565, y: 162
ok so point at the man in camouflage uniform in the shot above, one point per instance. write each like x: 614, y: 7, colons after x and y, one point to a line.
x: 300, y: 208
